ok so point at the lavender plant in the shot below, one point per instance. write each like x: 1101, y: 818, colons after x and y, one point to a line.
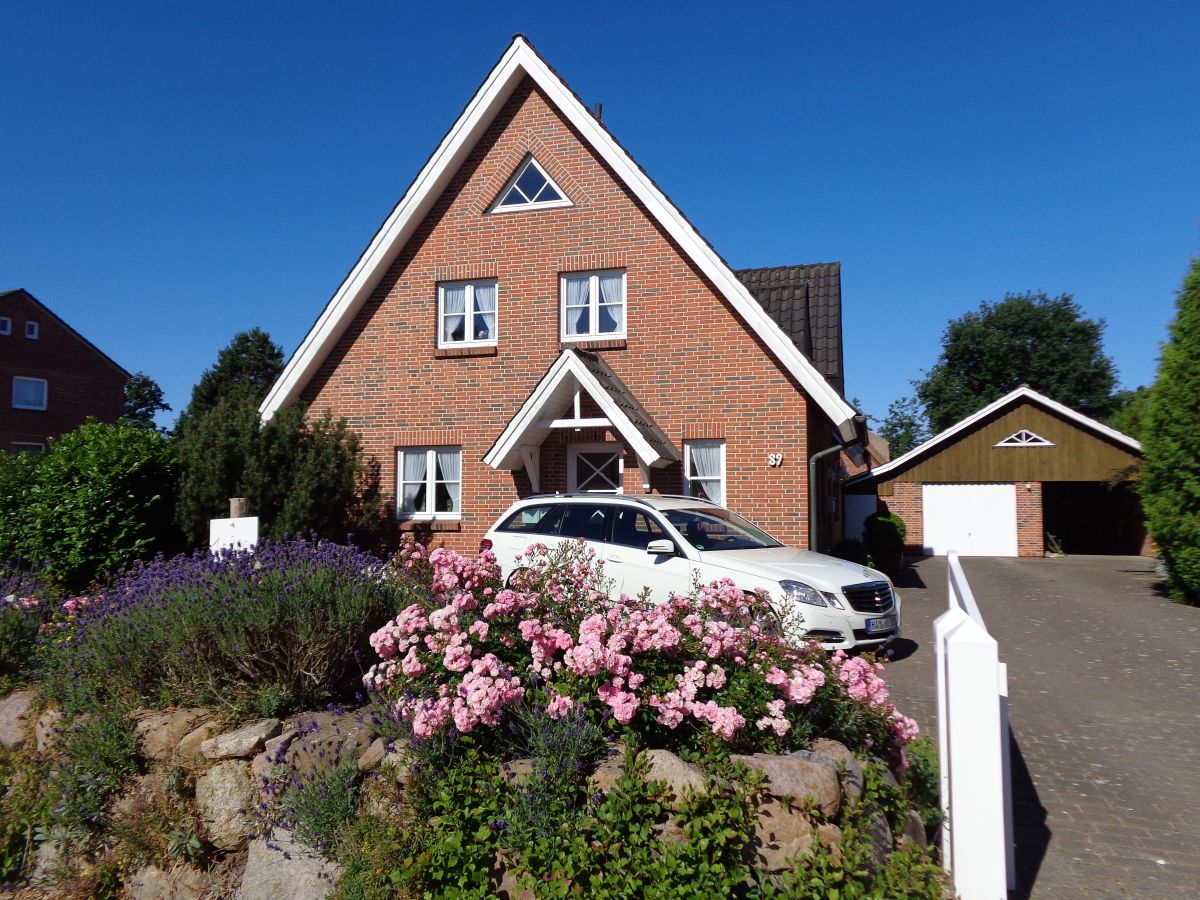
x: 283, y: 623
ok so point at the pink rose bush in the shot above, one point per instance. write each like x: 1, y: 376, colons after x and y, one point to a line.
x: 708, y: 666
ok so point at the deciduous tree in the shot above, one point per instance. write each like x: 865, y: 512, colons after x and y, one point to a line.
x: 1044, y: 342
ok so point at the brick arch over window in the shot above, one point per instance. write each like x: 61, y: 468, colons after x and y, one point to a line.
x: 528, y: 144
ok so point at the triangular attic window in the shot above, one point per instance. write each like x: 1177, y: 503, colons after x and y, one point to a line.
x: 1025, y: 438
x: 530, y: 188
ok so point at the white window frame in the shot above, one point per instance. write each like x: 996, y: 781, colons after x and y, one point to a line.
x: 573, y: 451
x: 5, y: 326
x: 431, y: 483
x: 527, y: 205
x: 470, y: 313
x: 593, y: 306
x: 17, y: 447
x: 45, y: 394
x: 31, y: 330
x: 687, y: 468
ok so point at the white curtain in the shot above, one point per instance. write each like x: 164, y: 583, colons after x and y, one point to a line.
x: 454, y: 305
x: 449, y: 476
x: 414, y: 469
x: 612, y: 303
x: 706, y: 469
x: 485, y: 312
x: 577, y: 305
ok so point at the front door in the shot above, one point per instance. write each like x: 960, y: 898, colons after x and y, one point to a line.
x: 595, y: 468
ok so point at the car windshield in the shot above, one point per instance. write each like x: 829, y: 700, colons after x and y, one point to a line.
x: 711, y: 528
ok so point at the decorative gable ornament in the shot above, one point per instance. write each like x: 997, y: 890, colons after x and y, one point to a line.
x: 530, y: 188
x: 1024, y: 438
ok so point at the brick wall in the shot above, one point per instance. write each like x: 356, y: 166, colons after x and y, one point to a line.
x: 81, y: 381
x: 905, y: 502
x: 1031, y: 539
x: 687, y: 358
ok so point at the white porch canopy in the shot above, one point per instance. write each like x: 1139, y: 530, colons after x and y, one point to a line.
x: 555, y: 403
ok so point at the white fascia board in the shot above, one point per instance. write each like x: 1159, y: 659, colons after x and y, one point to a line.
x: 1021, y: 393
x: 519, y: 60
x: 395, y: 231
x: 505, y: 453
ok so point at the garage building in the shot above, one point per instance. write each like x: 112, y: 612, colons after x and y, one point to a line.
x: 1023, y: 476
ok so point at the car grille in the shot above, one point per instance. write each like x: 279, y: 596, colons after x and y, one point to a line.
x: 872, y: 597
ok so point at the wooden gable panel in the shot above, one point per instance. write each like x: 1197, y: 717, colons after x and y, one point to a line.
x: 1077, y: 454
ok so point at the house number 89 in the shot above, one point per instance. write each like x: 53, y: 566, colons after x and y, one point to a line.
x: 774, y: 460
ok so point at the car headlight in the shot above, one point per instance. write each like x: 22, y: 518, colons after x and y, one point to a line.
x: 802, y: 593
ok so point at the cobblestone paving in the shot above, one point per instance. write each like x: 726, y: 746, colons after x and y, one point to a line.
x: 1105, y: 713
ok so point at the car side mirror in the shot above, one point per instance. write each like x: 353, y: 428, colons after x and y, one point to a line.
x: 661, y: 547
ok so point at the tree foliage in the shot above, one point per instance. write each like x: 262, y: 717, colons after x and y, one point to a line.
x: 143, y: 399
x: 1044, y: 342
x: 1130, y: 409
x: 299, y: 475
x: 247, y: 367
x: 904, y: 426
x: 101, y: 498
x: 1170, y: 482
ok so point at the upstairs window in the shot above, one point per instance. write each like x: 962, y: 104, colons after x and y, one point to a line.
x: 530, y: 188
x: 29, y: 393
x: 467, y: 314
x: 5, y: 326
x: 593, y: 305
x: 31, y: 330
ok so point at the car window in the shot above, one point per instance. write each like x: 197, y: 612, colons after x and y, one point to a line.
x: 634, y: 528
x: 539, y: 519
x: 584, y: 520
x: 718, y: 529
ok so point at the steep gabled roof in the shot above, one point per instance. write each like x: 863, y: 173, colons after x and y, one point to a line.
x: 806, y: 302
x: 21, y: 292
x: 1012, y: 398
x: 519, y: 61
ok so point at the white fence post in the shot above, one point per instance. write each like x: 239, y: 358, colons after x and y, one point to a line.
x: 973, y: 747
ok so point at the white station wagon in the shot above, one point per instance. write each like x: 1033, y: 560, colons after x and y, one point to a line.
x: 658, y: 542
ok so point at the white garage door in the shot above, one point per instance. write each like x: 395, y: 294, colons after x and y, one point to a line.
x: 972, y: 519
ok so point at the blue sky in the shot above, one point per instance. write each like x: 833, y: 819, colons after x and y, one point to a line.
x: 174, y: 173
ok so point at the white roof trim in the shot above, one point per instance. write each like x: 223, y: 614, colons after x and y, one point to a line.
x: 520, y: 60
x: 530, y: 419
x: 1023, y: 392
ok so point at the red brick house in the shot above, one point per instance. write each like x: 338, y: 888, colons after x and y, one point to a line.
x: 52, y: 378
x: 537, y: 316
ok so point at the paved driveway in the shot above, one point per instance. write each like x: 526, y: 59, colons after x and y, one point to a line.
x: 1105, y: 711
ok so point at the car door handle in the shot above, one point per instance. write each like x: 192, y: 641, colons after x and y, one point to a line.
x: 612, y: 558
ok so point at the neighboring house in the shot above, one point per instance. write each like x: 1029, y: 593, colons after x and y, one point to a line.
x: 537, y: 316
x: 1003, y: 481
x: 52, y: 378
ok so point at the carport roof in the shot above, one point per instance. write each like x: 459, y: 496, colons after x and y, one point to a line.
x: 1023, y: 393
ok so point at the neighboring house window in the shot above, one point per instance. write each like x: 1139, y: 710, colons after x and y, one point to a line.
x: 16, y: 448
x: 5, y: 326
x: 595, y: 467
x: 467, y: 313
x: 31, y: 330
x: 430, y: 482
x: 593, y: 305
x: 704, y: 470
x: 29, y: 393
x: 530, y: 188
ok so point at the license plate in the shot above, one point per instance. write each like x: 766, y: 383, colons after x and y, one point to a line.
x: 887, y: 623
